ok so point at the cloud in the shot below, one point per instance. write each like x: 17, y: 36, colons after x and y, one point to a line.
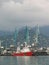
x: 2, y: 1
x: 30, y: 12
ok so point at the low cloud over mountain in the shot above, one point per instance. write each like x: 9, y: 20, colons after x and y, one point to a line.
x: 17, y: 13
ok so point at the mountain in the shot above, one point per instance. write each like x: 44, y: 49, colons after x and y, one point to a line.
x: 3, y: 33
x: 45, y: 30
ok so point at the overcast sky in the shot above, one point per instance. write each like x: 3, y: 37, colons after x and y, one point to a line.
x: 17, y: 13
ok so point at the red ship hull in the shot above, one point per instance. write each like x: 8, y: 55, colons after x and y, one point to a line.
x: 23, y: 54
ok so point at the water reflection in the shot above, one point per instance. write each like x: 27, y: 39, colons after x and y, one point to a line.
x: 43, y: 60
x: 24, y: 60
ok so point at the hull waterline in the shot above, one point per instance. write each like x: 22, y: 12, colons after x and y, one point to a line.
x: 23, y: 54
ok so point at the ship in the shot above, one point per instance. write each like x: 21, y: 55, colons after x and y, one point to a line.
x: 26, y: 49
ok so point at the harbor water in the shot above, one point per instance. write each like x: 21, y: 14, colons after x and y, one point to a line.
x: 24, y: 60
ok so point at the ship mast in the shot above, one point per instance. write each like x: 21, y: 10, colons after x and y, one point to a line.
x: 37, y: 34
x: 0, y: 44
x: 15, y: 36
x: 27, y: 35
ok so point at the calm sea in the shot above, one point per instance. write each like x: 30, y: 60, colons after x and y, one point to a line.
x: 36, y: 60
